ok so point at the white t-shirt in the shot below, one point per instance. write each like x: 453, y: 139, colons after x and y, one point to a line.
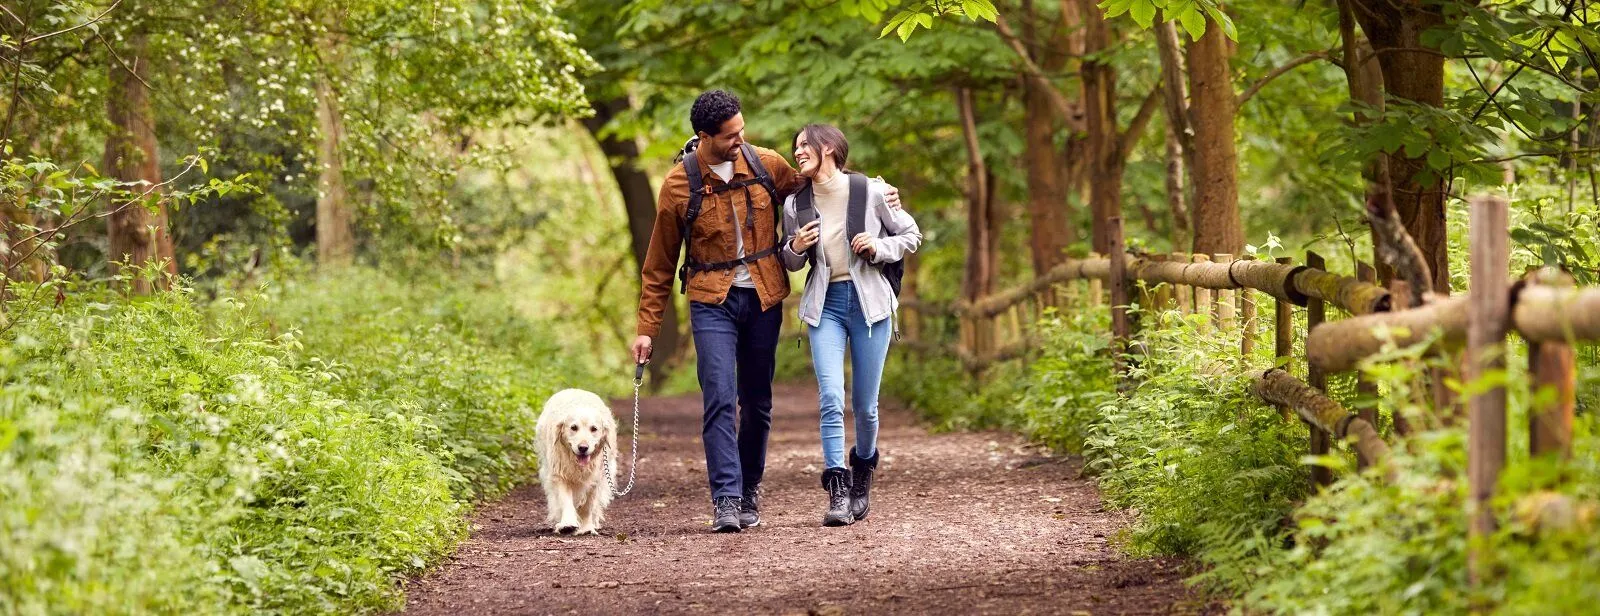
x: 741, y: 274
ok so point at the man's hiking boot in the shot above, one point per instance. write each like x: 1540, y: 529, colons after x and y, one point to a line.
x: 861, y: 483
x: 837, y: 482
x: 750, y: 507
x: 725, y: 514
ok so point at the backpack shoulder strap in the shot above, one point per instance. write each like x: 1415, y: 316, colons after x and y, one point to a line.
x: 805, y: 206
x: 856, y: 215
x: 691, y: 170
x: 752, y: 158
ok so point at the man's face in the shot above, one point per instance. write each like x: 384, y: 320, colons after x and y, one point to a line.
x: 724, y: 146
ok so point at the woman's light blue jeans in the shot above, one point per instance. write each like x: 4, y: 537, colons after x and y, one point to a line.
x: 843, y: 326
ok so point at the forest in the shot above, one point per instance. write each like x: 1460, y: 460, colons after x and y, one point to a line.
x: 285, y: 283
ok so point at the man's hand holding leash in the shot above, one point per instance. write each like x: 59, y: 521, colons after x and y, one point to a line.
x: 642, y: 347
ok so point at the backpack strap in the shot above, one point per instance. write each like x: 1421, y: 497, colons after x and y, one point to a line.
x: 856, y: 216
x: 805, y: 212
x: 760, y: 171
x: 691, y: 169
x: 697, y: 192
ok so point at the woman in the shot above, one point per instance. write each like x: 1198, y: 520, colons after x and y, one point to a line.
x: 848, y: 302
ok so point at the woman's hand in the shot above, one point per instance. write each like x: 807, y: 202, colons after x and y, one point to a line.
x: 863, y: 245
x: 806, y: 237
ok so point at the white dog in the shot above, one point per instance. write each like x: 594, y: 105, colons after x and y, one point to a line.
x: 575, y: 430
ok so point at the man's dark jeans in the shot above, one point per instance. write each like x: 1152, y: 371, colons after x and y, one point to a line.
x: 736, y: 343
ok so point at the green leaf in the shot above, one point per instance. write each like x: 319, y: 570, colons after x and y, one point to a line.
x: 1192, y: 22
x: 1438, y: 158
x: 1113, y: 8
x: 1143, y: 13
x: 979, y: 9
x: 895, y: 23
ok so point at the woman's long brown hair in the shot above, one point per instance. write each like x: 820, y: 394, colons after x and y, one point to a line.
x: 820, y: 137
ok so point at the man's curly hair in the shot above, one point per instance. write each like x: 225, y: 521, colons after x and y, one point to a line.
x: 711, y: 109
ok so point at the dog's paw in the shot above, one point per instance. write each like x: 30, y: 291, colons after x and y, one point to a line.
x: 588, y: 530
x: 567, y: 529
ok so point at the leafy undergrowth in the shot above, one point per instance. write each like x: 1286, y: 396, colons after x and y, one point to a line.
x: 1212, y: 473
x: 295, y: 451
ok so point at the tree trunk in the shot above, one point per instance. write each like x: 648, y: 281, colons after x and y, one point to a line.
x: 16, y: 223
x: 639, y: 203
x: 1047, y: 195
x: 1048, y: 210
x: 335, y: 239
x: 1414, y: 71
x: 135, y: 234
x: 1177, y: 198
x: 1179, y: 134
x: 1075, y: 173
x: 979, y: 278
x: 1106, y: 162
x: 1217, y: 228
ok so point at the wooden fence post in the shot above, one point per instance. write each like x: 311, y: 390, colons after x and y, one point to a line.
x: 1400, y: 300
x: 1096, y: 295
x: 1202, y: 297
x: 1364, y: 386
x: 1164, y: 293
x: 1119, y: 297
x: 1247, y: 320
x: 1552, y: 365
x: 1223, y: 306
x: 1316, y: 313
x: 1184, y: 292
x: 1488, y: 316
x: 1283, y: 335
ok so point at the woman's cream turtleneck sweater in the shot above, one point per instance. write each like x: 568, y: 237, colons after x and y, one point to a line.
x: 832, y: 200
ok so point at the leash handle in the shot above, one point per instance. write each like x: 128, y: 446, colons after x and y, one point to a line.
x: 638, y: 373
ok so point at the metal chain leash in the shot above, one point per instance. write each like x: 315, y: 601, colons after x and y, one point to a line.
x: 633, y: 466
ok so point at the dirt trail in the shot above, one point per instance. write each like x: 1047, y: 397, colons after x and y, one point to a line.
x: 976, y: 523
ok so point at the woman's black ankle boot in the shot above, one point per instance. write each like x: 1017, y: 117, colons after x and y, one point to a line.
x: 837, y: 482
x: 861, y: 470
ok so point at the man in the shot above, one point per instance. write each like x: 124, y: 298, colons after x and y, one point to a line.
x: 736, y: 286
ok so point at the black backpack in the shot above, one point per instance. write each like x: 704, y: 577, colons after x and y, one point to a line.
x: 855, y: 223
x: 698, y: 190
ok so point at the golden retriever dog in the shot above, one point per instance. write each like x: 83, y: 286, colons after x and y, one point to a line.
x: 576, y: 447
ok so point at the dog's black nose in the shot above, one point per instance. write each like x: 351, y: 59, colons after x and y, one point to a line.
x: 583, y: 449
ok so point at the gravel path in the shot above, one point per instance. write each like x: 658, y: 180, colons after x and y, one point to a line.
x: 974, y: 523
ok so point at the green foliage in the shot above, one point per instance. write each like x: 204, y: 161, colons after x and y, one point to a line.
x: 457, y: 357
x: 906, y: 22
x: 164, y: 456
x: 1193, y: 15
x: 1210, y: 472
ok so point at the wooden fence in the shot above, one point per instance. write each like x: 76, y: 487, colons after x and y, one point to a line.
x: 1543, y: 308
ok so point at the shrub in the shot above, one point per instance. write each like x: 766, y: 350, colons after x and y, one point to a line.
x: 161, y: 455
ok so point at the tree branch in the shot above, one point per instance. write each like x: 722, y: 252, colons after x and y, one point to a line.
x: 1538, y: 154
x: 1278, y: 72
x: 1059, y: 102
x: 86, y: 24
x: 1147, y: 110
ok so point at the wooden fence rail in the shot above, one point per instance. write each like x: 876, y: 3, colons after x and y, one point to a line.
x: 1546, y: 310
